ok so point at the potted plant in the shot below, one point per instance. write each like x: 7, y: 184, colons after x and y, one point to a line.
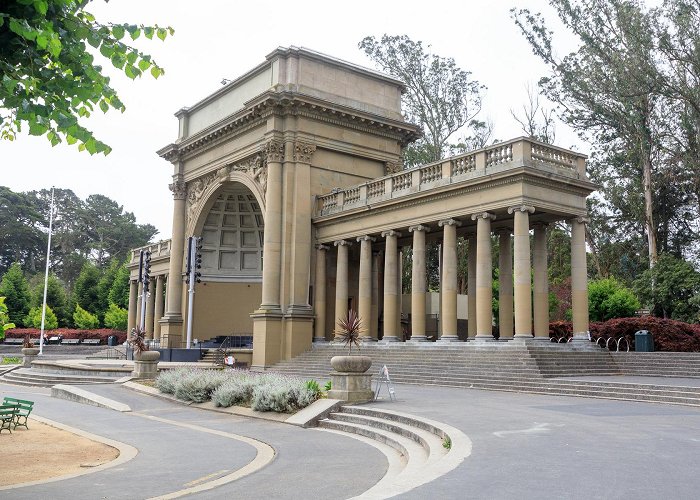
x: 348, y: 333
x: 28, y: 348
x: 137, y: 341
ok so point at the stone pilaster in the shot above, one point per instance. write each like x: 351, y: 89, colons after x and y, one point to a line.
x: 448, y: 284
x: 171, y: 323
x: 579, y: 279
x: 273, y: 152
x: 505, y: 285
x: 341, y: 282
x: 471, y: 286
x: 484, y: 293
x: 522, y: 270
x: 541, y: 284
x: 391, y: 292
x: 133, y: 300
x: 418, y: 284
x: 158, y: 313
x: 320, y: 294
x: 364, y: 295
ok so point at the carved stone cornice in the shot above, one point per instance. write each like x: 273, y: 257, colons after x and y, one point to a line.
x: 303, y: 151
x: 273, y: 151
x: 178, y: 187
x: 521, y: 208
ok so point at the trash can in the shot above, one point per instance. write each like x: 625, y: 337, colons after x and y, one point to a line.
x: 112, y: 340
x: 643, y: 341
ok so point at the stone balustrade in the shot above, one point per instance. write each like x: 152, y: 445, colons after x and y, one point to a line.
x: 520, y: 152
x: 158, y: 250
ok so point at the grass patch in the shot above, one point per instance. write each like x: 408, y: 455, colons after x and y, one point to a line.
x: 11, y: 360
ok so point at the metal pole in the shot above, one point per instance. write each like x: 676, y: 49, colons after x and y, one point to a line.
x: 46, y: 277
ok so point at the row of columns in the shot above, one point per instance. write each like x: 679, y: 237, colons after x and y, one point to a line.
x: 155, y: 305
x: 517, y: 287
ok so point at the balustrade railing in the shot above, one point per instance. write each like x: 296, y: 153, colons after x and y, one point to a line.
x: 511, y: 154
x: 160, y: 249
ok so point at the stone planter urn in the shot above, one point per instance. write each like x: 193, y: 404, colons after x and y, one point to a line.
x: 349, y: 382
x: 30, y: 354
x: 145, y: 364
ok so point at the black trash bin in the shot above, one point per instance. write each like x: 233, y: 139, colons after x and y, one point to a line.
x: 112, y: 340
x: 643, y: 341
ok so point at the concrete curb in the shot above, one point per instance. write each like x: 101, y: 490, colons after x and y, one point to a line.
x: 126, y: 453
x: 78, y: 395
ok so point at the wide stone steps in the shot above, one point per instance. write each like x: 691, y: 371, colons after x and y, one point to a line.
x: 418, y: 452
x: 42, y: 378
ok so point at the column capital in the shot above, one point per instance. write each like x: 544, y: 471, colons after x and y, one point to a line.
x: 581, y: 219
x: 178, y: 187
x: 484, y: 215
x: 303, y: 151
x: 322, y: 247
x: 391, y: 232
x: 521, y: 208
x: 419, y: 227
x: 273, y: 151
x: 341, y: 243
x: 449, y: 222
x: 366, y: 238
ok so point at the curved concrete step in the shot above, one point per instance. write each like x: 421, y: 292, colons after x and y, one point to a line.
x: 38, y: 378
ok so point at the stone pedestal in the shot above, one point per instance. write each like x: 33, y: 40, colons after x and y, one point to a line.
x: 146, y: 364
x: 30, y: 354
x: 351, y: 387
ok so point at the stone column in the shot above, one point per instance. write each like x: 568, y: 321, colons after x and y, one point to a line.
x: 522, y: 269
x: 579, y: 279
x: 341, y: 282
x: 374, y: 323
x: 272, y: 235
x: 364, y: 289
x: 171, y: 323
x: 150, y: 309
x: 484, y: 293
x: 448, y: 284
x: 391, y: 292
x: 158, y: 314
x: 418, y: 284
x: 471, y: 287
x: 320, y: 294
x: 505, y: 286
x: 133, y: 300
x: 541, y: 285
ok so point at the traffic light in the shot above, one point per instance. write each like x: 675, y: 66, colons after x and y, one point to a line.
x: 198, y: 259
x: 146, y: 270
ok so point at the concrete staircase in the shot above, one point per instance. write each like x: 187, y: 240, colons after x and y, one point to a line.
x: 554, y: 369
x: 418, y: 450
x: 49, y: 373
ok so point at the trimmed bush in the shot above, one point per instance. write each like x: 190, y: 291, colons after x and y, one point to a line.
x: 116, y: 318
x: 84, y: 320
x: 33, y: 319
x: 197, y: 385
x: 608, y: 298
x: 237, y: 390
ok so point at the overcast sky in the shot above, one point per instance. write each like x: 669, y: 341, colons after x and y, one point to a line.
x: 223, y: 39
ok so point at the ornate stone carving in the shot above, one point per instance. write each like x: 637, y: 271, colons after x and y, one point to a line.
x: 391, y: 167
x: 449, y: 222
x: 342, y: 243
x: 256, y: 167
x: 581, y: 220
x: 391, y: 232
x: 521, y: 208
x: 419, y: 227
x: 303, y: 152
x: 273, y: 151
x: 195, y: 193
x: 366, y: 238
x: 178, y: 187
x: 484, y: 215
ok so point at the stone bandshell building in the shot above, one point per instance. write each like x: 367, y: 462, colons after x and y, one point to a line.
x: 291, y: 174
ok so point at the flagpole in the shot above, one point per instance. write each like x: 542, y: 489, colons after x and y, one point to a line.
x: 46, y: 277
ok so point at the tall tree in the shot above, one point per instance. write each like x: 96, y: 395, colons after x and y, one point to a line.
x: 50, y: 78
x: 15, y: 289
x: 441, y: 97
x: 21, y: 239
x: 85, y: 292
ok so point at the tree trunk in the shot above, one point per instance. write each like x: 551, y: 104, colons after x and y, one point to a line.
x: 648, y: 209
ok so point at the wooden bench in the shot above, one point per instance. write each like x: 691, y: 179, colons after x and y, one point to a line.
x: 23, y: 409
x: 14, y: 341
x: 92, y: 341
x: 7, y: 417
x: 71, y: 341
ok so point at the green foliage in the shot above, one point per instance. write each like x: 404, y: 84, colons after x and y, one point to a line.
x: 608, y: 299
x: 33, y: 319
x: 85, y: 292
x: 50, y: 76
x: 11, y: 360
x: 4, y: 319
x: 15, y: 289
x: 440, y: 97
x: 21, y: 238
x: 349, y: 330
x: 447, y: 443
x: 104, y: 285
x: 55, y: 297
x: 84, y: 320
x: 671, y: 288
x: 313, y: 387
x: 119, y: 292
x: 328, y: 386
x: 116, y: 318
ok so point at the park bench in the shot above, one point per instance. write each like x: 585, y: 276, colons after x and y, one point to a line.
x: 7, y: 417
x: 92, y: 341
x: 22, y: 410
x: 14, y: 341
x: 70, y: 341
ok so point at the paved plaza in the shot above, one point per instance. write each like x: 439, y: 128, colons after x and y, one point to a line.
x: 523, y: 446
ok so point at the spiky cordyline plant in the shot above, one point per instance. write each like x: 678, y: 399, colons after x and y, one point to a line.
x: 349, y: 330
x: 137, y: 340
